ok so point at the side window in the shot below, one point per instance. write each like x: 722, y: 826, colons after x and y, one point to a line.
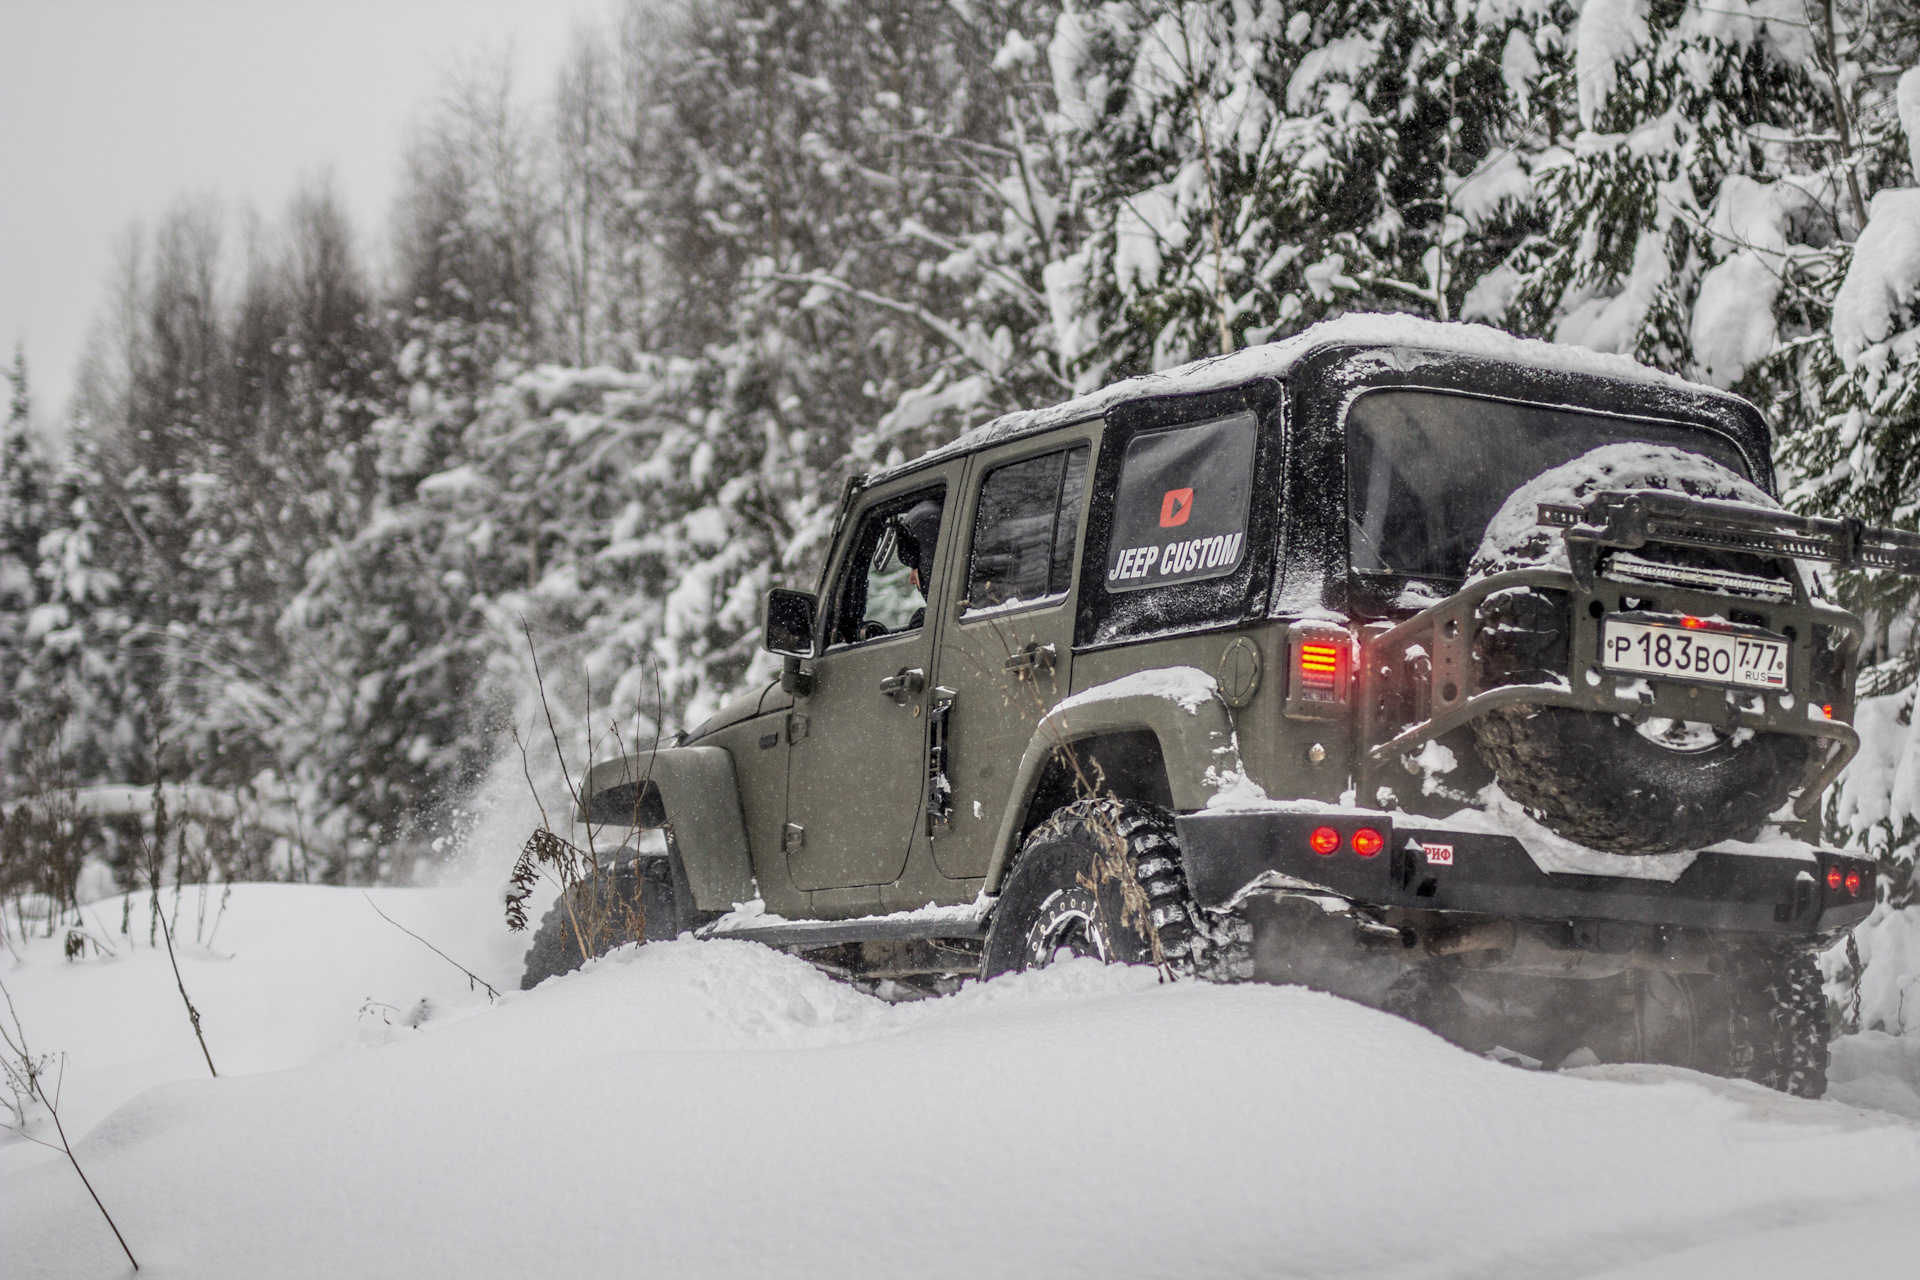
x: 1023, y: 530
x: 883, y: 587
x: 1180, y: 509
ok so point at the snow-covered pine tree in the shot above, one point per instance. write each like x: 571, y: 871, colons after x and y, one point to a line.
x: 24, y: 521
x: 387, y: 641
x: 818, y: 198
x: 1671, y: 100
x: 1257, y: 170
x: 1846, y: 377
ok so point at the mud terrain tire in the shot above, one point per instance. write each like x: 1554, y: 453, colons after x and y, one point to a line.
x: 1047, y: 908
x: 636, y: 889
x: 1774, y: 1022
x: 1597, y: 779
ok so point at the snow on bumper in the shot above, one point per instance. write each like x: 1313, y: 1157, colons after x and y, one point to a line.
x: 1423, y: 866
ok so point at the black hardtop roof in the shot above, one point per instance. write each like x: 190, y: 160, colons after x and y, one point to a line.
x: 1414, y: 342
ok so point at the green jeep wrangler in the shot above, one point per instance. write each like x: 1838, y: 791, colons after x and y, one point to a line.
x: 1473, y: 678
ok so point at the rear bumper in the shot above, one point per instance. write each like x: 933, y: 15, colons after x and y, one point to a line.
x: 1228, y: 853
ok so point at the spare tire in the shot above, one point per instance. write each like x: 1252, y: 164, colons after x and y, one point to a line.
x: 1607, y: 781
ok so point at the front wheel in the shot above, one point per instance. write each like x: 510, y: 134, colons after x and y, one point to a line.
x: 1099, y: 878
x: 631, y: 900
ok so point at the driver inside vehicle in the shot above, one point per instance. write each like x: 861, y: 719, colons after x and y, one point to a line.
x: 918, y: 528
x: 901, y: 571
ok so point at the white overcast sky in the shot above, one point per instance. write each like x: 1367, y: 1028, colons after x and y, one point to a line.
x: 111, y: 109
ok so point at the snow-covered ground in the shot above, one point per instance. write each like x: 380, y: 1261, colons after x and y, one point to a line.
x: 718, y: 1109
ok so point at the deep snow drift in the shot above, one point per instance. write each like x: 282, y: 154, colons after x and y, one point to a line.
x: 719, y: 1109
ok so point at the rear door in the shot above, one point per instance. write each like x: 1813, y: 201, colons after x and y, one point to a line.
x: 1004, y: 658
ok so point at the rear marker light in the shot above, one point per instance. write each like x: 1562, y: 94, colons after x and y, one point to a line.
x: 1367, y: 842
x: 1834, y: 878
x: 1324, y: 840
x: 1853, y: 883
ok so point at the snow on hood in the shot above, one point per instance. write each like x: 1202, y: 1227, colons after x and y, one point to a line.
x: 1515, y: 539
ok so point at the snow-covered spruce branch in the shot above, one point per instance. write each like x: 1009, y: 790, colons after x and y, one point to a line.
x: 913, y: 229
x: 951, y: 333
x: 1029, y: 216
x: 1376, y: 281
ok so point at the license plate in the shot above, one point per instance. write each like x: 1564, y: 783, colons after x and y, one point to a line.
x: 1651, y: 649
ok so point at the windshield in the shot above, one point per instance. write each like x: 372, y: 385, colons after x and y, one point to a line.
x: 1426, y: 470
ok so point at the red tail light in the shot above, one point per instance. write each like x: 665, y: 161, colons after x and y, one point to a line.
x: 1324, y: 840
x: 1835, y: 878
x: 1367, y: 842
x: 1319, y: 665
x: 1853, y: 883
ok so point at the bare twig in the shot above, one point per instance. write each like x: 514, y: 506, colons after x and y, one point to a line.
x: 154, y: 858
x: 573, y: 793
x: 472, y: 977
x: 1213, y: 194
x: 559, y: 752
x: 1827, y: 57
x: 31, y: 1072
x: 193, y: 1014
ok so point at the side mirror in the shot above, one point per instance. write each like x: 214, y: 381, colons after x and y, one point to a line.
x: 789, y: 628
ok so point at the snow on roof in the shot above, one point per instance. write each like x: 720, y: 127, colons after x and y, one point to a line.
x: 1276, y: 359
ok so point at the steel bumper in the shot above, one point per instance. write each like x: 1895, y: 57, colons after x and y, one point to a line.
x: 1428, y: 868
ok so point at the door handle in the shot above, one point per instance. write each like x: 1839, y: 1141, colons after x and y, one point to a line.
x: 1035, y: 658
x: 904, y: 686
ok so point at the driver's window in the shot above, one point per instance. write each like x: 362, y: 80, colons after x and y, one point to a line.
x: 884, y: 586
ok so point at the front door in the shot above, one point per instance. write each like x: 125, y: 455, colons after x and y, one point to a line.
x: 1004, y: 659
x: 857, y: 768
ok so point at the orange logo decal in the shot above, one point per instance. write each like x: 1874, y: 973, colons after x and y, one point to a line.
x: 1176, y: 507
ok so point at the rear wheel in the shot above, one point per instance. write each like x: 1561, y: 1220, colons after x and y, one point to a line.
x: 1769, y: 1022
x: 1762, y: 1018
x: 1099, y: 878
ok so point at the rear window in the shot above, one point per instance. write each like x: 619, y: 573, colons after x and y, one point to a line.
x: 1023, y: 530
x: 1426, y: 471
x: 1180, y: 508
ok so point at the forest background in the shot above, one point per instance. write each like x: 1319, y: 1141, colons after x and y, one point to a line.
x: 310, y: 517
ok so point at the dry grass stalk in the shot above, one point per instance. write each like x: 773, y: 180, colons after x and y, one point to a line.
x: 474, y: 980
x: 597, y: 913
x: 26, y: 1078
x: 155, y: 859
